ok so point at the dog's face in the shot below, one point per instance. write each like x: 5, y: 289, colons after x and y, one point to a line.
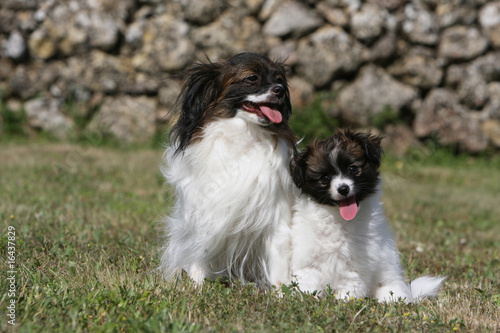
x: 256, y: 90
x: 248, y: 85
x: 341, y: 170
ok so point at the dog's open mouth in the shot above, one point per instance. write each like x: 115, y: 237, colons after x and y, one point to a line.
x: 349, y: 208
x: 267, y: 110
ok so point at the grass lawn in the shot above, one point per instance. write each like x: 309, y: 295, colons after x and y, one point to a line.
x: 87, y: 238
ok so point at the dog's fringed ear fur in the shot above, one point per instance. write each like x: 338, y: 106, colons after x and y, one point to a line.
x: 199, y: 92
x: 373, y: 148
x: 298, y: 168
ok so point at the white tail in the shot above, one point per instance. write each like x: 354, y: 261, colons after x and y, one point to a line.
x: 425, y: 286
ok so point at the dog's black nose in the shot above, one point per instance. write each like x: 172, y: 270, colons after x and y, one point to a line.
x: 343, y: 189
x: 278, y: 90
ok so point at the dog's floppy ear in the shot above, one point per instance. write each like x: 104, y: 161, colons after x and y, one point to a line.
x: 200, y: 91
x: 298, y: 168
x: 373, y: 148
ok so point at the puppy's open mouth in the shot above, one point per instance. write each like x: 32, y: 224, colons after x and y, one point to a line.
x: 266, y: 110
x: 348, y: 208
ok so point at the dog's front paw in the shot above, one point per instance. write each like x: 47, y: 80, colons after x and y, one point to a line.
x: 197, y: 274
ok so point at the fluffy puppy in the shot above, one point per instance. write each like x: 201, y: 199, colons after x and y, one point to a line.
x: 228, y: 160
x: 340, y: 238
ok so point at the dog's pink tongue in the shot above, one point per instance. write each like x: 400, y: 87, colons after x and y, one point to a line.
x: 273, y: 115
x: 348, y: 208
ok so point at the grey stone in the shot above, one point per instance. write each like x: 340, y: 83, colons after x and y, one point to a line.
x: 74, y: 27
x: 488, y: 66
x: 32, y: 79
x: 371, y: 93
x: 491, y: 129
x: 420, y: 25
x: 388, y: 4
x: 20, y: 4
x: 102, y: 29
x: 15, y: 46
x: 292, y: 18
x: 489, y: 18
x: 492, y: 109
x: 268, y: 8
x: 167, y: 94
x: 445, y: 118
x: 301, y: 91
x: 284, y: 51
x: 368, y: 23
x: 449, y: 14
x: 6, y: 69
x: 455, y: 75
x: 383, y: 49
x: 41, y: 45
x: 201, y: 11
x: 399, y: 139
x: 231, y: 33
x: 126, y: 119
x: 335, y: 16
x: 165, y: 45
x: 473, y: 90
x: 417, y: 70
x: 326, y: 53
x: 47, y: 114
x: 462, y: 43
x: 247, y: 7
x: 350, y: 5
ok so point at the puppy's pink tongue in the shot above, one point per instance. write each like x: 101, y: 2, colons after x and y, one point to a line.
x: 273, y: 115
x: 348, y: 208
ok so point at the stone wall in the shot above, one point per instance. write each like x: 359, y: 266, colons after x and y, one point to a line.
x: 106, y: 65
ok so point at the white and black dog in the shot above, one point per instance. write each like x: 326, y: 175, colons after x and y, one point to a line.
x: 340, y: 237
x: 228, y: 160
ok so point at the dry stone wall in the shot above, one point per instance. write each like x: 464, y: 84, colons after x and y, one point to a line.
x: 107, y: 65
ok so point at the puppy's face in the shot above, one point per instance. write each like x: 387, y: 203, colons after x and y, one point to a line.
x: 342, y: 170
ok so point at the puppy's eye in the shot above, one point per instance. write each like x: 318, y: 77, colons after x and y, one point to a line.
x: 252, y: 78
x: 280, y: 80
x: 353, y: 169
x: 325, y: 179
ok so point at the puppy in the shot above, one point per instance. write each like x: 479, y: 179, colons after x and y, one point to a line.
x: 340, y: 238
x: 228, y: 160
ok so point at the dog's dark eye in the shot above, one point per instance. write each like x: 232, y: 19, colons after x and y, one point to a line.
x: 353, y: 169
x: 252, y: 78
x: 325, y: 179
x: 280, y: 80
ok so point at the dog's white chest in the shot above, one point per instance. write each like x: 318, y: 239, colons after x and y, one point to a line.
x: 237, y: 173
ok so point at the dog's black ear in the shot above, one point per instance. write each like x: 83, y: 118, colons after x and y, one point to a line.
x: 298, y: 168
x: 201, y: 90
x: 373, y: 148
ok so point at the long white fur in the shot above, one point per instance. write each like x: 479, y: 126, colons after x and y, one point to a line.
x: 234, y: 201
x: 356, y: 258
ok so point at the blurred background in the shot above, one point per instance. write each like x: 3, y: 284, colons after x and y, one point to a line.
x: 86, y: 90
x: 414, y: 70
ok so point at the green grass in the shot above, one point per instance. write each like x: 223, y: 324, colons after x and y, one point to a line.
x: 312, y: 121
x: 87, y: 239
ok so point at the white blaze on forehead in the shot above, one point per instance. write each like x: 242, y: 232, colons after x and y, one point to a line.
x: 333, y: 159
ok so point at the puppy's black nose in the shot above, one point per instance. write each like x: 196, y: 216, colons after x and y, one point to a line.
x: 343, y: 189
x: 278, y: 90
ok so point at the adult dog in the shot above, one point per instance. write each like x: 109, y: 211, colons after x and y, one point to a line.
x: 228, y: 160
